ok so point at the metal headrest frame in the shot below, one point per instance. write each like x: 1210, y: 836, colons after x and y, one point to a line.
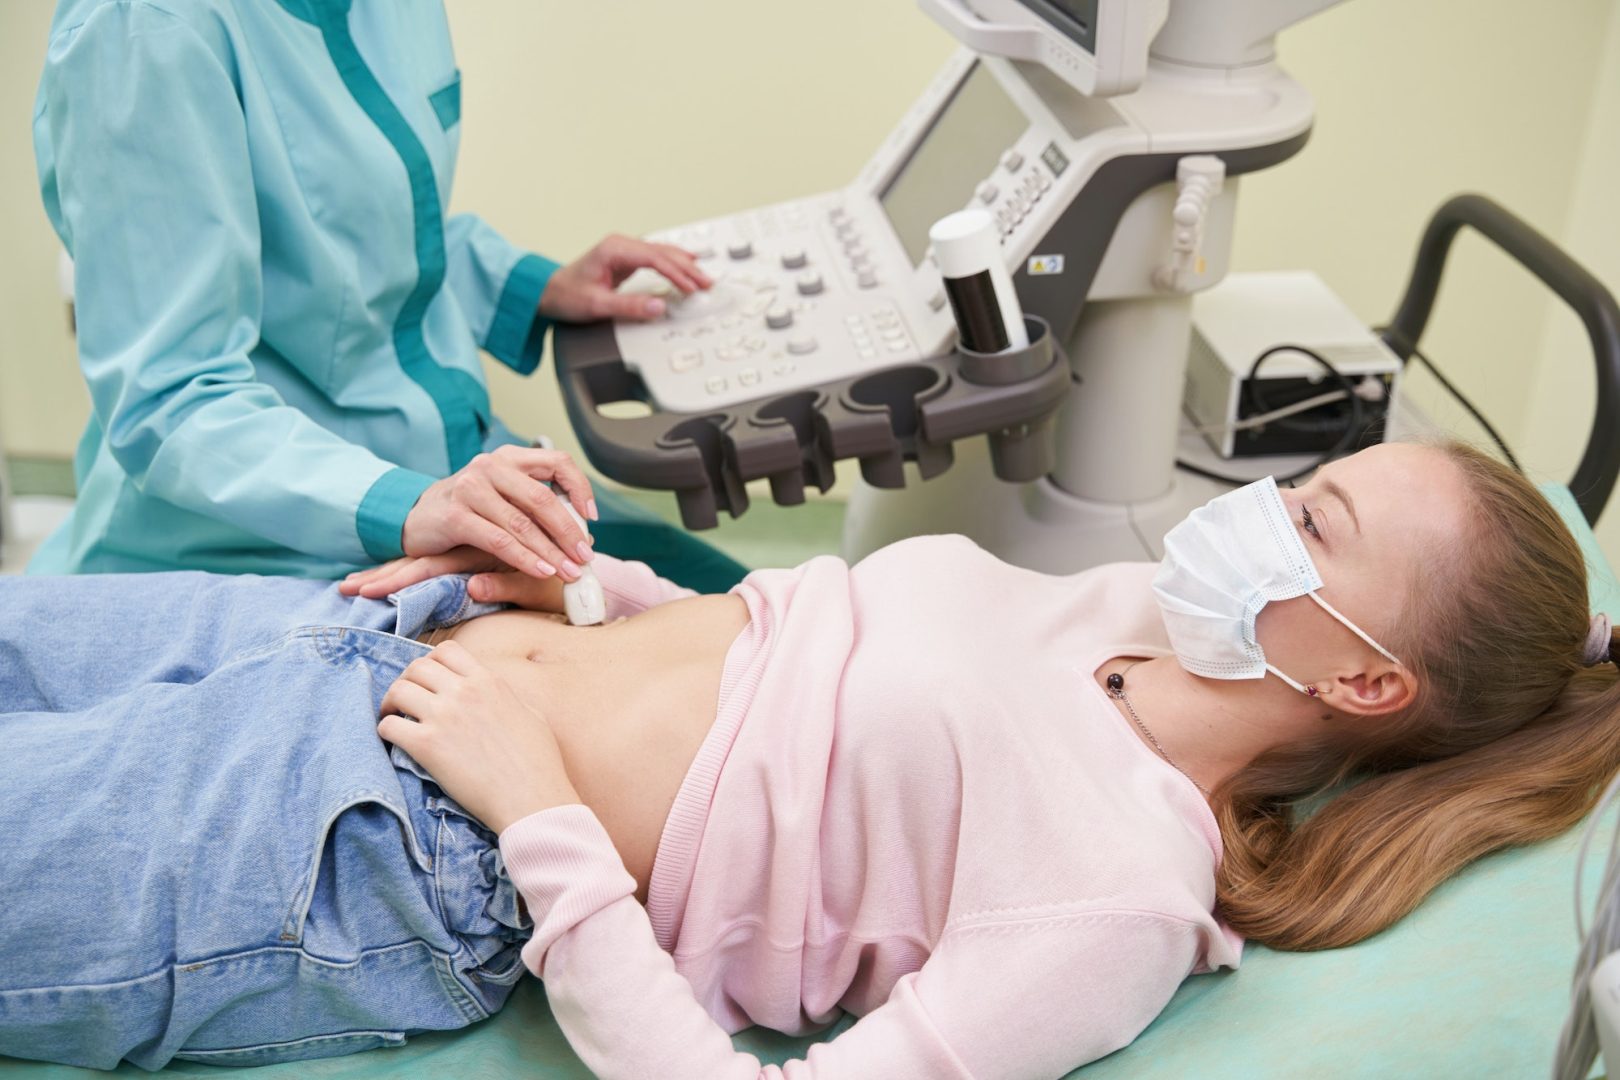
x: 1595, y: 477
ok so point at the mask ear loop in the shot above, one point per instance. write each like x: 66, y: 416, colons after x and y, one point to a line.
x: 1312, y: 691
x: 1354, y: 629
x: 1308, y: 691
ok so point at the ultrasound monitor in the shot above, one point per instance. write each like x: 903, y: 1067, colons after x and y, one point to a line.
x: 958, y: 151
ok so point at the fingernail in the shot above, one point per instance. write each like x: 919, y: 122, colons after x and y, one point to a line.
x: 655, y: 308
x: 585, y: 552
x: 590, y: 510
x: 546, y: 569
x: 569, y: 569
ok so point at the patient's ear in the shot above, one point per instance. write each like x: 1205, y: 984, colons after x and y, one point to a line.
x: 1379, y: 692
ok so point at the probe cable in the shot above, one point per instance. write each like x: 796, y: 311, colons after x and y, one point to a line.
x: 1577, y: 1043
x: 1462, y: 399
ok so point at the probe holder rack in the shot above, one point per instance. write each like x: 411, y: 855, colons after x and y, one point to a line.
x: 911, y: 411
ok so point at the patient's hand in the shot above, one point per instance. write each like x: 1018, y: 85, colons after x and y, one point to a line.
x: 493, y: 582
x: 490, y: 750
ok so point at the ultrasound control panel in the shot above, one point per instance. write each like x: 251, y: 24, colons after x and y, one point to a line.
x: 798, y: 299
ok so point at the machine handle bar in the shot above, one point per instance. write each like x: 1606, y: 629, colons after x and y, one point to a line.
x: 1595, y: 477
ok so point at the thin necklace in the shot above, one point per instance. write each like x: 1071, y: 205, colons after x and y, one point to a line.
x: 1116, y: 688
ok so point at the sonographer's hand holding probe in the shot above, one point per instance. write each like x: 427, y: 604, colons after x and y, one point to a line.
x: 507, y: 502
x: 580, y: 597
x: 583, y: 291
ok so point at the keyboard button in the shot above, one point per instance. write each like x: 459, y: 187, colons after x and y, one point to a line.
x: 740, y: 250
x: 778, y: 317
x: 793, y: 258
x: 685, y: 360
x: 809, y: 283
x: 801, y: 346
x: 716, y: 384
x: 748, y: 377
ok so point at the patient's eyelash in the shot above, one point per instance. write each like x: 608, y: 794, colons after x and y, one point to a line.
x: 1309, y: 523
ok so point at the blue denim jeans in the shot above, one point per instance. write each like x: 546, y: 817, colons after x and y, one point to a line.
x: 206, y: 852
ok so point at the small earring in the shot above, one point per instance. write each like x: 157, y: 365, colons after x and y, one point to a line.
x: 1313, y: 691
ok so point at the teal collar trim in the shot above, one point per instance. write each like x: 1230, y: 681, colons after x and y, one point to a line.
x: 316, y: 12
x: 461, y: 400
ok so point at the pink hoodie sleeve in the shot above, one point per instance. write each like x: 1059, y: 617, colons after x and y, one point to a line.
x: 632, y: 587
x: 1024, y: 998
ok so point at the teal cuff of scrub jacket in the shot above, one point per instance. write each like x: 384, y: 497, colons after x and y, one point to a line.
x: 517, y: 333
x: 380, y: 520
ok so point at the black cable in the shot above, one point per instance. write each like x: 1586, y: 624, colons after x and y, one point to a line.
x: 1351, y: 430
x: 1462, y: 400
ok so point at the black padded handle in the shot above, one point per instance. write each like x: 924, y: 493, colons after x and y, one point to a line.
x: 1600, y: 465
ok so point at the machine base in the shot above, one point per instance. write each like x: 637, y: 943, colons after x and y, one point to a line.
x: 1038, y: 525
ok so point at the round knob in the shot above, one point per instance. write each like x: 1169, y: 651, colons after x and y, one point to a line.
x: 793, y: 258
x: 778, y: 317
x: 799, y: 346
x: 742, y: 249
x: 809, y: 283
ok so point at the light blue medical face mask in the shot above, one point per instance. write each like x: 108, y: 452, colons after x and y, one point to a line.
x: 1221, y: 566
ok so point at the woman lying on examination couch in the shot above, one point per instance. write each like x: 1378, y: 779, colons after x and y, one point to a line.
x: 902, y: 789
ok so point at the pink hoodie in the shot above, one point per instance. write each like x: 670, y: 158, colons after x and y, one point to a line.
x: 915, y: 805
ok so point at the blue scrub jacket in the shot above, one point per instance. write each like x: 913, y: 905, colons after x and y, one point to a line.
x: 278, y: 324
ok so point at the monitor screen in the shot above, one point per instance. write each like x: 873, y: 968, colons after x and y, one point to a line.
x: 961, y: 149
x: 1075, y: 19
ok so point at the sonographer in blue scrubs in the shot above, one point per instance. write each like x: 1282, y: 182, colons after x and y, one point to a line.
x: 279, y: 325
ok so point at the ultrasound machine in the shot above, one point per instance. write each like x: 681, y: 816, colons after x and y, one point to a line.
x: 1106, y: 139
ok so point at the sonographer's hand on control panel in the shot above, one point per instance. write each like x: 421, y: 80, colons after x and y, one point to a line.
x: 583, y: 291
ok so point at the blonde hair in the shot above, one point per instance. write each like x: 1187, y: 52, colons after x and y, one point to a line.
x: 1509, y: 740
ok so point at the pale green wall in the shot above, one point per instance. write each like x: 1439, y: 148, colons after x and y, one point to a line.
x: 42, y: 399
x: 584, y: 118
x: 1560, y: 408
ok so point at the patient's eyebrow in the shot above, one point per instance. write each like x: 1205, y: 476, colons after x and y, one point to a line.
x: 1339, y: 493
